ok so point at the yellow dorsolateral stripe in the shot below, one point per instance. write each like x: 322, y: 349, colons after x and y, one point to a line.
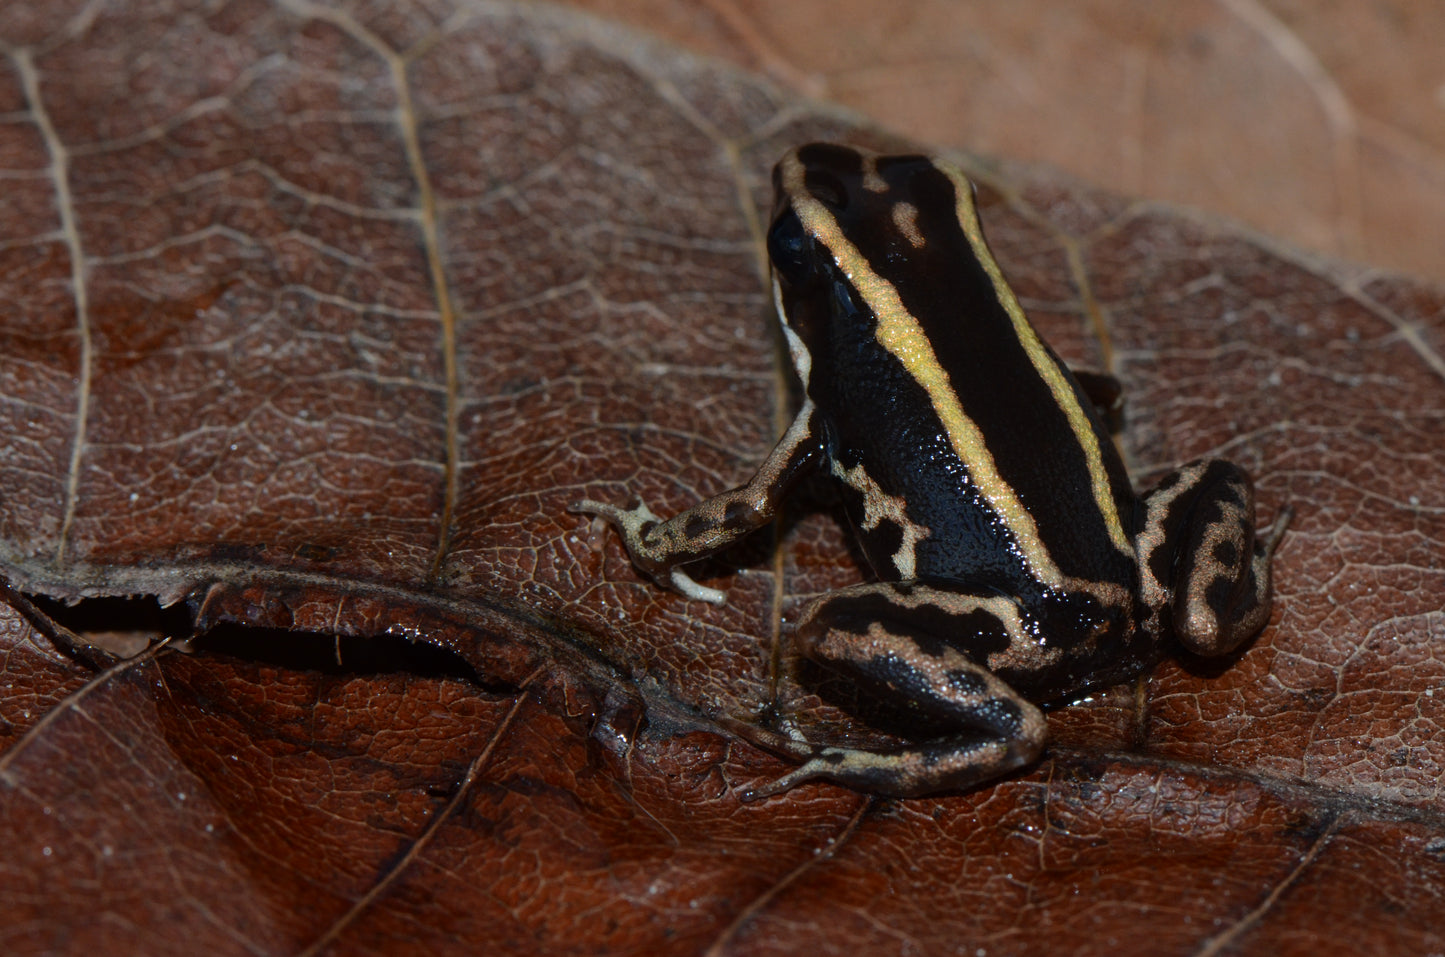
x: 1046, y: 367
x: 901, y: 335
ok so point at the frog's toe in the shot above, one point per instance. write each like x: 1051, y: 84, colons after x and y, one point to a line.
x: 630, y: 521
x: 683, y: 583
x: 788, y: 743
x: 813, y: 768
x: 817, y: 761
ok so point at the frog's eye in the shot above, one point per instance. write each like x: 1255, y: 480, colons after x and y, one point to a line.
x: 790, y: 249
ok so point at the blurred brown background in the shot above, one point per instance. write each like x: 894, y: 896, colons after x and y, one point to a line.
x: 1321, y: 123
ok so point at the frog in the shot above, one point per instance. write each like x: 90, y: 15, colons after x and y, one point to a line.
x: 1014, y: 566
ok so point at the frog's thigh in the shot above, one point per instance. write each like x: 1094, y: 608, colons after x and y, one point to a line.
x: 893, y: 638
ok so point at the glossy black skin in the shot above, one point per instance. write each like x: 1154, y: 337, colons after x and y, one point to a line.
x: 873, y: 412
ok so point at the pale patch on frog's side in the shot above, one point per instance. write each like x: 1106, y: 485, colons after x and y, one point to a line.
x: 798, y: 353
x: 878, y: 507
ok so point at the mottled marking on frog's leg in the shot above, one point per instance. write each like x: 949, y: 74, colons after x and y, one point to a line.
x: 993, y: 729
x: 658, y: 546
x: 1215, y: 580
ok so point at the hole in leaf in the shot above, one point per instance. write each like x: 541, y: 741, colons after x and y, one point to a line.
x: 328, y: 654
x: 123, y: 626
x: 127, y: 626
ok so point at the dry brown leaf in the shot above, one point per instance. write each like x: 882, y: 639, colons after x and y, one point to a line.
x: 316, y: 318
x: 1316, y: 122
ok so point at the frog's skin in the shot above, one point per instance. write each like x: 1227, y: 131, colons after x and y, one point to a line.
x: 1016, y: 565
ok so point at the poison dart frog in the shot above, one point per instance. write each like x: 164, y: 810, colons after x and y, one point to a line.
x: 1015, y: 563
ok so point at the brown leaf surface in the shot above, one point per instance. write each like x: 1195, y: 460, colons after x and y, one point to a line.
x: 315, y: 319
x: 1323, y: 123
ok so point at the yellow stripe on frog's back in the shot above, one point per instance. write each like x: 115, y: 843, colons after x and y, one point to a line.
x: 1044, y: 364
x: 900, y: 333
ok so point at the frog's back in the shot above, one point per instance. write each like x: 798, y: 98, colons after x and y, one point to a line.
x: 940, y: 399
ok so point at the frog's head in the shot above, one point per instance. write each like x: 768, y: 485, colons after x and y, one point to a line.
x: 842, y: 218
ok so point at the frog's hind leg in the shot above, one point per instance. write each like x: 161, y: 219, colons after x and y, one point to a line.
x: 884, y: 637
x: 1200, y: 556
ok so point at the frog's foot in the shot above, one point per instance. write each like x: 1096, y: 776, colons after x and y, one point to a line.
x: 634, y: 525
x: 631, y: 524
x: 908, y: 770
x: 905, y: 771
x: 787, y: 743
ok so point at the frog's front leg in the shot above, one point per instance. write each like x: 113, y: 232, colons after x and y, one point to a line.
x: 1199, y: 560
x: 657, y: 547
x: 875, y: 635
